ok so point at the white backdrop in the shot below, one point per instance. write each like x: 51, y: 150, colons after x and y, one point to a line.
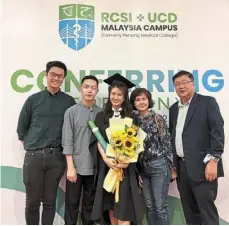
x: 30, y: 38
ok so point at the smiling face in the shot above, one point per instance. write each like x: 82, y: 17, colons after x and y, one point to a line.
x: 184, y: 87
x: 141, y: 102
x: 55, y: 78
x: 116, y: 97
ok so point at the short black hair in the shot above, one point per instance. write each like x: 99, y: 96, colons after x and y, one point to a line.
x: 181, y: 73
x: 56, y: 63
x: 138, y: 92
x: 92, y: 77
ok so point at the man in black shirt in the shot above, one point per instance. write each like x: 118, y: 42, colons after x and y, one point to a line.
x: 40, y: 129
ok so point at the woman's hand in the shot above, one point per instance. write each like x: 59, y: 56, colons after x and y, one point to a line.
x: 173, y: 174
x: 111, y: 163
x: 140, y: 181
x: 121, y: 165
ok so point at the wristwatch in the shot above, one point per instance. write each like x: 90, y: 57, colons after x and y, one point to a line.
x: 215, y: 158
x: 209, y: 157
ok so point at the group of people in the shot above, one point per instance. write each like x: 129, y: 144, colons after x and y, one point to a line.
x: 56, y: 136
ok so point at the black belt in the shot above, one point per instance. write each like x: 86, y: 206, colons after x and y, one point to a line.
x: 180, y: 158
x: 45, y: 150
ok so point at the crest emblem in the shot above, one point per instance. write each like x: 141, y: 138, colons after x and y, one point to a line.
x: 76, y: 25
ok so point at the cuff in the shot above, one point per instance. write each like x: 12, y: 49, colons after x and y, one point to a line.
x: 216, y: 156
x: 21, y: 137
x: 67, y: 151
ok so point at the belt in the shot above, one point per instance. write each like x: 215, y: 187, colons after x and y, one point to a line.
x: 180, y: 158
x: 45, y: 150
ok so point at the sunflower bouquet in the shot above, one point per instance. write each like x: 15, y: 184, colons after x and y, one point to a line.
x: 125, y: 144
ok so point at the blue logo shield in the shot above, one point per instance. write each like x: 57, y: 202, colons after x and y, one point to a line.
x: 76, y: 25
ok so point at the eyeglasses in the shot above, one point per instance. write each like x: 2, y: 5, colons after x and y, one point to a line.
x: 184, y: 83
x: 54, y: 75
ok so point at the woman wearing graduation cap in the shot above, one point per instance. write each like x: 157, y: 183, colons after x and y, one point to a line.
x: 127, y: 210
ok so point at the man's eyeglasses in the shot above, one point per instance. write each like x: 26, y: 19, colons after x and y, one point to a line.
x: 184, y: 83
x: 54, y: 75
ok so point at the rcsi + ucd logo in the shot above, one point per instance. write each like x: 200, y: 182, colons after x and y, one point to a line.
x: 76, y: 25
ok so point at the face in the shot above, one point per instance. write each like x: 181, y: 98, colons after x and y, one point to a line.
x: 55, y: 77
x: 141, y: 102
x: 89, y: 89
x: 184, y: 86
x: 116, y: 97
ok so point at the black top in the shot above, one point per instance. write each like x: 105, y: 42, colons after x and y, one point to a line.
x: 129, y: 207
x: 41, y: 119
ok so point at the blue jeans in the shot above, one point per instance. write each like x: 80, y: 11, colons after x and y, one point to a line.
x: 155, y: 187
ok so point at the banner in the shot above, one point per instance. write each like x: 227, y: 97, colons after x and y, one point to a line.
x: 146, y: 41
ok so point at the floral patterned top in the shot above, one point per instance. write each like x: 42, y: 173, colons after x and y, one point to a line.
x: 157, y: 141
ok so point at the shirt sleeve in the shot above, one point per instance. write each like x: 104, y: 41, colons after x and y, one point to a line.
x: 24, y: 120
x: 216, y: 126
x: 165, y: 140
x: 72, y: 102
x: 67, y: 133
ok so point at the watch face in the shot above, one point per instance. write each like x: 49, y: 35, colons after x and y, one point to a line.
x: 215, y: 159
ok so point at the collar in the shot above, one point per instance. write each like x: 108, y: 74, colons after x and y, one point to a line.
x: 119, y: 110
x: 185, y: 104
x: 91, y: 108
x: 50, y: 94
x: 117, y: 113
x: 149, y: 115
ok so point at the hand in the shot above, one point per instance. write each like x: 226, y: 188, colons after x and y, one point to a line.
x: 140, y: 181
x: 121, y: 165
x: 211, y: 171
x: 173, y: 174
x: 111, y: 163
x: 72, y: 175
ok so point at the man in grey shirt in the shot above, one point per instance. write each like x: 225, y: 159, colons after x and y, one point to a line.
x: 76, y: 136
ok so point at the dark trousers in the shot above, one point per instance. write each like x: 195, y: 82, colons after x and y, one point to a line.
x: 42, y: 171
x: 197, y: 198
x: 72, y: 200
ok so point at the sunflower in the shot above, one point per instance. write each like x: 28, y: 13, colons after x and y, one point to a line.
x: 129, y: 153
x: 128, y: 144
x: 121, y: 132
x: 123, y: 136
x: 135, y: 139
x: 118, y: 142
x: 135, y: 128
x: 115, y: 135
x: 119, y: 150
x: 131, y: 132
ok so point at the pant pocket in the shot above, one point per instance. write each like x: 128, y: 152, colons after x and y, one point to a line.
x: 25, y: 174
x: 156, y: 167
x: 26, y: 168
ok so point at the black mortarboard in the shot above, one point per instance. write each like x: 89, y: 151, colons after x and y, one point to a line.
x: 117, y: 78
